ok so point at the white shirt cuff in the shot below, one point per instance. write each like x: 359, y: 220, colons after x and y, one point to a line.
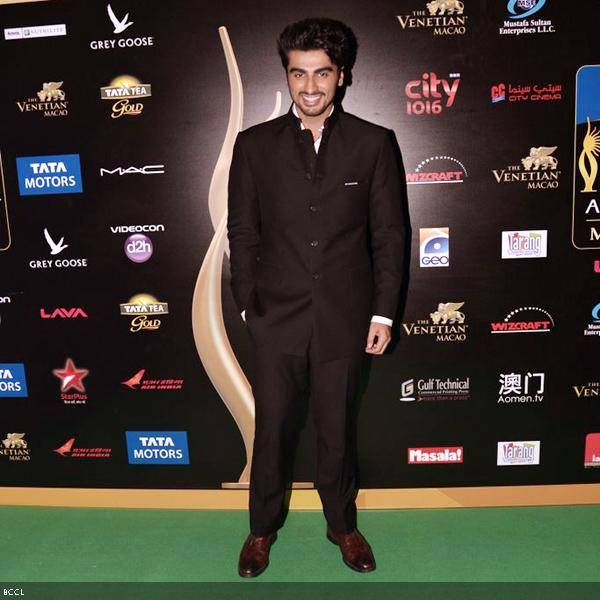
x: 244, y: 315
x: 384, y: 320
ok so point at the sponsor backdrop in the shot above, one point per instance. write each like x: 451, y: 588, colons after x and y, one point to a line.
x: 123, y: 359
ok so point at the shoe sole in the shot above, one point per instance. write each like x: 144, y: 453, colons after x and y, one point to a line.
x: 333, y: 541
x: 257, y: 573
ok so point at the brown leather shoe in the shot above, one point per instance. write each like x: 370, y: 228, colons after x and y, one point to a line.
x: 356, y: 552
x: 254, y: 556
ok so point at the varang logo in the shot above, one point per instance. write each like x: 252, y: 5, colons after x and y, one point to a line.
x: 431, y: 95
x: 518, y: 453
x: 139, y: 382
x: 140, y: 307
x: 540, y: 321
x: 518, y: 23
x: 538, y: 170
x: 593, y: 328
x: 50, y: 102
x: 63, y: 313
x: 437, y: 169
x: 71, y: 378
x: 69, y: 450
x: 526, y: 93
x: 516, y: 388
x: 447, y: 324
x: 440, y: 455
x: 442, y: 17
x: 14, y: 447
x: 525, y: 244
x: 592, y: 450
x: 121, y: 90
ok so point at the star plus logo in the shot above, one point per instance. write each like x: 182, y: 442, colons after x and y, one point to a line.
x: 71, y: 377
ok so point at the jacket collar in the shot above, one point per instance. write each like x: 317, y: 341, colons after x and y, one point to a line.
x: 329, y: 121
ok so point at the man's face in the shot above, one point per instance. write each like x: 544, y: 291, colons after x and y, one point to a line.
x: 312, y: 80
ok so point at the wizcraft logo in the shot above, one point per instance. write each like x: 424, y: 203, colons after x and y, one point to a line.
x: 120, y: 25
x: 434, y: 389
x: 516, y: 388
x: 525, y: 244
x: 50, y: 174
x: 538, y: 170
x: 14, y: 447
x: 526, y: 93
x: 123, y: 89
x: 518, y: 22
x: 426, y: 173
x: 431, y: 95
x: 442, y: 17
x: 141, y: 306
x: 50, y: 102
x: 434, y: 248
x: 447, y: 324
x: 544, y: 323
x: 518, y: 453
x: 440, y: 455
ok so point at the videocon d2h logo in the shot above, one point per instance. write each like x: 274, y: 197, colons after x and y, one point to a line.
x: 585, y: 224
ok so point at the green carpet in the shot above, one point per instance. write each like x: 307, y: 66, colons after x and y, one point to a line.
x: 470, y: 545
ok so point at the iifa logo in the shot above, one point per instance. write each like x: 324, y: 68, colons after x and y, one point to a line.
x: 12, y: 380
x: 51, y: 174
x: 157, y: 447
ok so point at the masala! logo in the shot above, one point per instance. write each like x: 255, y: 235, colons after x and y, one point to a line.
x: 440, y: 455
x: 442, y: 17
x: 437, y: 169
x: 140, y: 307
x: 540, y: 321
x: 539, y: 170
x: 121, y: 90
x: 51, y: 101
x: 446, y: 324
x: 431, y: 95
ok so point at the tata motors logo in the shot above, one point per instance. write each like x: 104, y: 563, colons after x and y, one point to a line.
x: 431, y: 94
x: 592, y: 450
x: 121, y: 91
x: 525, y: 319
x: 525, y: 244
x: 518, y: 388
x: 518, y: 453
x: 51, y: 101
x: 157, y: 447
x: 446, y: 324
x: 120, y: 22
x: 442, y: 17
x: 51, y: 174
x: 12, y: 380
x: 539, y: 170
x: 518, y: 22
x: 436, y: 455
x: 14, y: 447
x: 142, y: 307
x: 434, y: 248
x: 437, y: 169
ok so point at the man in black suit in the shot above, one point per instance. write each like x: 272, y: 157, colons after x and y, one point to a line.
x: 316, y: 234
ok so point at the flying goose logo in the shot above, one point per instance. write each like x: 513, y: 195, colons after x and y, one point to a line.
x: 120, y: 26
x: 55, y: 247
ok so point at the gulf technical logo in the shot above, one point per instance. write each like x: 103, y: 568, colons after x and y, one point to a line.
x: 431, y: 95
x: 521, y: 388
x: 446, y: 324
x: 49, y: 174
x: 15, y: 448
x: 437, y: 169
x: 516, y: 321
x: 518, y: 453
x: 50, y: 101
x: 525, y: 244
x: 121, y: 91
x: 157, y: 447
x: 517, y: 21
x: 434, y: 247
x: 119, y: 23
x: 13, y: 383
x: 593, y: 327
x: 71, y: 378
x: 539, y: 170
x: 434, y: 389
x: 56, y: 247
x: 441, y: 17
x: 142, y: 307
x: 526, y: 93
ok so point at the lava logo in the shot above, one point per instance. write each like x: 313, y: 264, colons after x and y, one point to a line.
x: 12, y: 380
x: 50, y: 174
x: 157, y: 447
x: 430, y: 94
x: 528, y: 8
x: 63, y: 313
x: 434, y: 247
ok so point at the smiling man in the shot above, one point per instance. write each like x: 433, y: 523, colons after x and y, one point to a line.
x: 316, y: 234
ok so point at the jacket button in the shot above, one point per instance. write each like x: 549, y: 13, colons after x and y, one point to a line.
x: 308, y: 176
x: 313, y: 208
x: 316, y: 275
x: 314, y: 243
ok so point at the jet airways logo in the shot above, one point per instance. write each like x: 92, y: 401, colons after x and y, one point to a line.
x: 55, y: 247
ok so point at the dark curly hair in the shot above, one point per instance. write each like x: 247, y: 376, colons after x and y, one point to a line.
x: 334, y: 37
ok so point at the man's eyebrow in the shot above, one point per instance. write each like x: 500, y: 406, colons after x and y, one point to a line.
x: 299, y: 70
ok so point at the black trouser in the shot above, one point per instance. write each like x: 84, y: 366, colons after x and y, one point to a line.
x: 278, y: 383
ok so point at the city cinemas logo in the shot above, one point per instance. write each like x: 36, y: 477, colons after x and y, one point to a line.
x: 518, y: 453
x: 525, y: 244
x: 51, y: 101
x: 50, y: 174
x: 539, y: 170
x: 516, y: 388
x: 434, y: 389
x: 157, y: 447
x: 437, y: 169
x: 121, y: 91
x: 446, y: 324
x: 585, y: 225
x: 13, y: 383
x: 434, y: 247
x: 14, y: 447
x: 441, y: 17
x: 63, y: 313
x: 145, y: 170
x: 539, y: 321
x: 120, y: 23
x: 526, y: 93
x: 589, y: 390
x: 592, y: 450
x: 518, y: 22
x: 142, y: 307
x: 431, y: 95
x: 437, y: 455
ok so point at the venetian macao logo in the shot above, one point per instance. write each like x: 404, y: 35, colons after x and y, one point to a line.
x: 539, y: 170
x: 446, y: 324
x: 441, y: 17
x: 51, y: 101
x: 49, y: 174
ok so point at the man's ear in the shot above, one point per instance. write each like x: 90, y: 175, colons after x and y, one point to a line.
x: 341, y: 77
